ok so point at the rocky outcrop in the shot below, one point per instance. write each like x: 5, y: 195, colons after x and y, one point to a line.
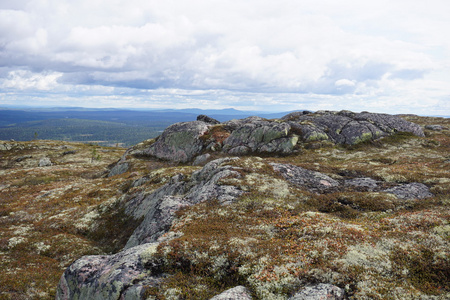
x: 255, y: 135
x: 321, y: 183
x: 159, y: 207
x: 350, y: 128
x: 183, y: 142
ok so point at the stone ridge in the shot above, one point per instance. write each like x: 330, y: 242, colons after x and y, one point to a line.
x: 183, y: 142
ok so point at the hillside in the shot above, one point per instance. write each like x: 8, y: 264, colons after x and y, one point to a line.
x: 264, y: 209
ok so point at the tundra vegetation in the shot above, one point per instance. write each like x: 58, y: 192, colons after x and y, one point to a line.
x: 365, y: 225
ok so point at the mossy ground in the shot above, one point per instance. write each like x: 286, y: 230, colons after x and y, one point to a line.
x: 43, y: 227
x: 275, y: 239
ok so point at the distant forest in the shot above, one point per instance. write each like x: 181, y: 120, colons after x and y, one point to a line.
x: 103, y: 127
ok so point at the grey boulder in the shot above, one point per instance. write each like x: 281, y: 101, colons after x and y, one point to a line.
x: 180, y: 142
x: 119, y: 276
x: 236, y: 293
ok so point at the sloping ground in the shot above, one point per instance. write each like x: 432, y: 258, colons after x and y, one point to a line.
x: 361, y: 220
x: 43, y: 220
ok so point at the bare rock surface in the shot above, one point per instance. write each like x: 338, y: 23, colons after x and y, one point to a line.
x: 311, y: 180
x: 321, y: 291
x: 179, y: 142
x: 413, y: 190
x: 236, y: 293
x: 45, y: 162
x: 99, y: 277
x: 159, y: 207
x: 260, y: 136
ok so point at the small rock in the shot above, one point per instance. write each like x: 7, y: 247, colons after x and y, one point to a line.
x: 237, y: 293
x: 207, y: 119
x: 322, y: 291
x: 201, y: 159
x: 45, y: 162
x: 69, y: 152
x: 19, y: 159
x: 434, y: 127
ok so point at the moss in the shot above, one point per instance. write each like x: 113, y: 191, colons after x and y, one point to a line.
x: 426, y: 272
x: 113, y: 228
x: 367, y: 136
x: 316, y: 136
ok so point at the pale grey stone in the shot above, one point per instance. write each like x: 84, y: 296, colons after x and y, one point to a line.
x: 236, y: 293
x: 322, y: 291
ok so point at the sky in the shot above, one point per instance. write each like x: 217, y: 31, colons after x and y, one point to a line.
x: 389, y: 56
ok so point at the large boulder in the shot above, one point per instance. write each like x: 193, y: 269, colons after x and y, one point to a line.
x: 119, y: 276
x: 179, y: 142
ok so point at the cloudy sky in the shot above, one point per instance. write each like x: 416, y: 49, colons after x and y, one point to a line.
x: 377, y: 55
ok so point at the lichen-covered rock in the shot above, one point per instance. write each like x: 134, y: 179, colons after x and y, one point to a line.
x: 183, y: 142
x: 321, y: 291
x: 434, y: 127
x: 346, y: 127
x: 362, y: 183
x: 179, y: 142
x: 159, y: 207
x: 118, y: 169
x: 45, y: 162
x: 260, y: 136
x: 201, y: 159
x: 118, y: 276
x: 413, y: 190
x: 236, y: 293
x: 310, y: 180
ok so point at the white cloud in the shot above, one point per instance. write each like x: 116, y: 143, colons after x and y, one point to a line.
x: 25, y: 80
x: 325, y: 51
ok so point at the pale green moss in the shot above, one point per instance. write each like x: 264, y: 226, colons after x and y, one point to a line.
x: 317, y: 136
x: 366, y: 136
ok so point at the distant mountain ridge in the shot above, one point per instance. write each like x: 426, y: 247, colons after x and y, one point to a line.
x: 132, y: 126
